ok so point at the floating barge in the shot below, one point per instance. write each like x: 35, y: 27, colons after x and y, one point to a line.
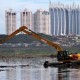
x: 62, y: 64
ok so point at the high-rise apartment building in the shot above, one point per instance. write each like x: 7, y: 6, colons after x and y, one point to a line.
x: 10, y: 17
x: 42, y: 22
x: 74, y: 18
x: 26, y: 19
x: 64, y: 19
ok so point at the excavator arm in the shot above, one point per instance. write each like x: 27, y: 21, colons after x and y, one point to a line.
x: 33, y: 34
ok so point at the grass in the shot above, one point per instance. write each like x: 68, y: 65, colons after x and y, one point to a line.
x: 33, y: 51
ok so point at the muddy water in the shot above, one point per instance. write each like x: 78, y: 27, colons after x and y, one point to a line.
x: 32, y: 69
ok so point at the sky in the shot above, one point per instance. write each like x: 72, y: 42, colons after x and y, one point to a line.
x: 20, y: 5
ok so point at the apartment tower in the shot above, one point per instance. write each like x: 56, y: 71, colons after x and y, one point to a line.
x: 64, y: 19
x: 26, y: 19
x: 42, y: 22
x: 10, y: 17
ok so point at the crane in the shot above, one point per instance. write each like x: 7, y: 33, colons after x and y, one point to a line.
x: 61, y: 54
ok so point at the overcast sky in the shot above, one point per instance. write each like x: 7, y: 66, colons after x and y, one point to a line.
x: 19, y: 5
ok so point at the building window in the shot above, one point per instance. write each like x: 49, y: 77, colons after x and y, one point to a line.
x: 23, y: 12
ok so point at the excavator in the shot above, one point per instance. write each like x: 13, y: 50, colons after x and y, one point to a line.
x: 63, y: 56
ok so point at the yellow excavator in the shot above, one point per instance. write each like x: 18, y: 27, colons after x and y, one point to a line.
x: 62, y: 56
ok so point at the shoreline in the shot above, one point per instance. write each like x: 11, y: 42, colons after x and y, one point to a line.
x: 23, y: 55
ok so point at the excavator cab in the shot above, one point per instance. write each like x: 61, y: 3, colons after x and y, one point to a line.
x: 63, y: 55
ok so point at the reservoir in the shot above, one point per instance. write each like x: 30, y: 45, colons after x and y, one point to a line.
x: 32, y: 69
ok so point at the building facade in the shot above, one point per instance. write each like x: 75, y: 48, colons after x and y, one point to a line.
x: 42, y: 22
x: 26, y: 19
x: 64, y: 19
x: 10, y: 17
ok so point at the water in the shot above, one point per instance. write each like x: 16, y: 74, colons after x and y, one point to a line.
x: 32, y: 69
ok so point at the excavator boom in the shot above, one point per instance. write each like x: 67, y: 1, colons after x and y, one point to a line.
x: 33, y: 34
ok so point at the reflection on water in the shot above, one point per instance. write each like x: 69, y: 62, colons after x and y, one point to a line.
x: 32, y: 69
